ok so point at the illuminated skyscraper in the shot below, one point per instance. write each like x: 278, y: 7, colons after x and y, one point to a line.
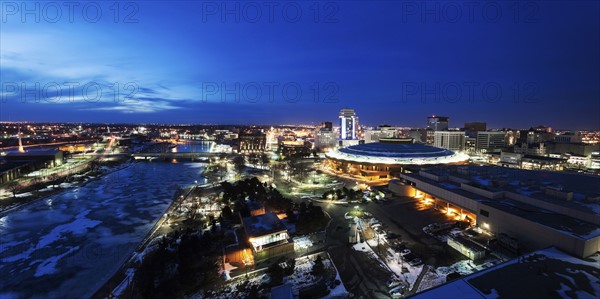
x: 348, y: 124
x: 437, y: 123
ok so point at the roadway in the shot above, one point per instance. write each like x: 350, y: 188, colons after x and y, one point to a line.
x: 362, y: 275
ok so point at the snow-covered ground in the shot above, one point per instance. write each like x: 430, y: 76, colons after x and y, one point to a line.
x: 300, y: 279
x: 67, y: 244
x: 394, y: 262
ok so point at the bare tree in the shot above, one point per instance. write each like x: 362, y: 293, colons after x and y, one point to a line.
x: 14, y: 187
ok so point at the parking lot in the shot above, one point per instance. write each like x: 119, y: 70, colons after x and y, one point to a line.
x: 403, y: 219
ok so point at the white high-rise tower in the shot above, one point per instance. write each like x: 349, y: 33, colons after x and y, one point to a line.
x: 348, y: 124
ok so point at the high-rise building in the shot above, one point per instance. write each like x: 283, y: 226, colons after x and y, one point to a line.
x: 452, y: 140
x: 383, y: 131
x: 475, y: 126
x: 327, y: 125
x: 419, y: 135
x: 325, y: 139
x: 437, y: 123
x: 348, y: 124
x: 490, y: 141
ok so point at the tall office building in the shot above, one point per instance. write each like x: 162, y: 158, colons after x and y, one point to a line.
x: 327, y: 125
x: 383, y: 131
x: 325, y: 139
x: 348, y: 124
x: 475, y: 126
x: 490, y: 141
x: 437, y: 123
x: 452, y: 140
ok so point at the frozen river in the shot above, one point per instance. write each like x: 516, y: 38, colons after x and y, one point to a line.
x: 68, y: 244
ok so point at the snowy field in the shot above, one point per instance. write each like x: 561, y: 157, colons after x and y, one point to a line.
x: 68, y: 244
x: 300, y: 279
x: 393, y: 261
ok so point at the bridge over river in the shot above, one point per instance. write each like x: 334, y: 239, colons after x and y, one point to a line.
x: 178, y: 155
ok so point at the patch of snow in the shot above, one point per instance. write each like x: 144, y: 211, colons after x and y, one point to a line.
x: 26, y: 194
x: 49, y: 265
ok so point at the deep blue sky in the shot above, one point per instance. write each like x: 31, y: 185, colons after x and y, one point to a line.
x: 382, y: 58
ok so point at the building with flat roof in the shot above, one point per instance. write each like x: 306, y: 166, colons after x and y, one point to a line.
x: 381, y: 132
x: 283, y: 291
x: 490, y: 141
x: 547, y: 273
x: 268, y: 236
x: 452, y: 140
x: 475, y: 126
x: 39, y: 158
x: 467, y: 247
x: 437, y: 123
x: 252, y: 142
x: 537, y: 208
x: 531, y: 162
x: 325, y: 137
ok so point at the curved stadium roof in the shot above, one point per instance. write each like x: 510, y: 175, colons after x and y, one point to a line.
x: 396, y: 153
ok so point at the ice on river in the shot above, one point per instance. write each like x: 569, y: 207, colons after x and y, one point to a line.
x: 68, y: 244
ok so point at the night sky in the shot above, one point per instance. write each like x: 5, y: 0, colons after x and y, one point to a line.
x: 511, y: 64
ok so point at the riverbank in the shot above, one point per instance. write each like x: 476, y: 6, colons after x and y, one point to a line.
x: 35, y: 192
x: 120, y: 280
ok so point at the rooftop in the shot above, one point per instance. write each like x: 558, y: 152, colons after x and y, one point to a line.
x: 497, y: 179
x: 282, y: 291
x: 547, y: 273
x: 261, y: 225
x: 36, y: 152
x: 397, y: 150
x: 396, y: 153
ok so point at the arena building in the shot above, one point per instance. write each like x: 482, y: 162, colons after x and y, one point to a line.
x: 376, y: 162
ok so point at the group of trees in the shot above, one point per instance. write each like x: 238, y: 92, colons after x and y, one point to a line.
x: 308, y: 218
x: 277, y: 272
x: 259, y: 159
x: 235, y: 195
x: 174, y: 269
x: 239, y: 162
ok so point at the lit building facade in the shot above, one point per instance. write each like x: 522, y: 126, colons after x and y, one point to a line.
x: 535, y: 209
x: 437, y: 123
x: 325, y: 139
x: 376, y: 162
x: 348, y: 124
x: 452, y: 140
x: 254, y: 142
x: 373, y: 135
x: 268, y: 236
x: 490, y: 141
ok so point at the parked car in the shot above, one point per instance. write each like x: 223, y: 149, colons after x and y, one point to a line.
x: 400, y: 246
x: 265, y: 278
x: 397, y: 292
x: 415, y: 262
x: 405, y: 251
x: 393, y: 282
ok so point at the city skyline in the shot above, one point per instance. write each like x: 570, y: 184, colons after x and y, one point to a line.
x: 394, y: 63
